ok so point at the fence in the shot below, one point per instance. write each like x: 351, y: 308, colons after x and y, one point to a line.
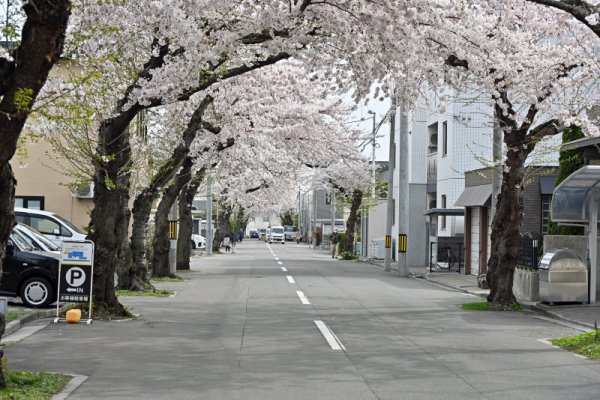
x: 529, y: 247
x: 446, y: 256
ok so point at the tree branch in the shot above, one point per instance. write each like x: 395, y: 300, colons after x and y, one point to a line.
x: 579, y: 9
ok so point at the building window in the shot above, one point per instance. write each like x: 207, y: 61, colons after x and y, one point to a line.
x: 327, y: 198
x: 31, y: 202
x: 444, y: 138
x: 443, y: 225
x: 546, y: 199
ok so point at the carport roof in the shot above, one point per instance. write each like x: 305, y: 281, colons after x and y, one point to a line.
x: 572, y: 198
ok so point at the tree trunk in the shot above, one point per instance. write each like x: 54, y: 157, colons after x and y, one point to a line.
x: 161, y: 243
x: 21, y: 80
x: 136, y: 276
x: 185, y: 221
x: 505, y: 237
x: 184, y: 248
x: 351, y: 222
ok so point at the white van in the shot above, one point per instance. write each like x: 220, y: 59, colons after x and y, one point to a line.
x: 51, y: 225
x: 277, y: 234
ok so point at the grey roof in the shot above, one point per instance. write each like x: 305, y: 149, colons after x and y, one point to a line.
x: 475, y: 196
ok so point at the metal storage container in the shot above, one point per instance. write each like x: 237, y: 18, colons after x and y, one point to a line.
x: 563, y: 277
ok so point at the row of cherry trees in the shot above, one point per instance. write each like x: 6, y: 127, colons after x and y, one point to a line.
x: 148, y: 56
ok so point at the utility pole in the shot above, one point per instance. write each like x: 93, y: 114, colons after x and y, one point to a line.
x: 173, y: 217
x: 373, y: 169
x: 403, y: 190
x: 390, y: 190
x: 332, y: 213
x: 209, y: 232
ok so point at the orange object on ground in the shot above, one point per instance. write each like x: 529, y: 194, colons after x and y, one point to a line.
x: 73, y: 316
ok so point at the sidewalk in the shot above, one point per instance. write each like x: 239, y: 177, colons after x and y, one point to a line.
x: 586, y: 316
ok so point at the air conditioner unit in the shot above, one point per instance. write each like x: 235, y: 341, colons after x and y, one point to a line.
x: 86, y: 192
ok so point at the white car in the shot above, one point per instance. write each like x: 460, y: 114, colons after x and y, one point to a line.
x: 51, y: 225
x: 36, y: 239
x: 277, y: 234
x: 198, y: 242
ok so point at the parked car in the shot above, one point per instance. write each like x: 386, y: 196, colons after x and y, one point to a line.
x: 51, y: 225
x: 254, y: 234
x: 30, y: 274
x: 198, y: 242
x: 268, y: 235
x: 36, y: 239
x: 277, y: 234
x: 262, y: 234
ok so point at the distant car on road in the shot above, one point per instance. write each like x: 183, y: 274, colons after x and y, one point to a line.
x: 262, y: 234
x: 277, y: 235
x: 198, y: 242
x: 254, y: 234
x: 290, y: 231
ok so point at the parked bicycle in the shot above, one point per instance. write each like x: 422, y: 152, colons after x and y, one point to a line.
x: 446, y: 259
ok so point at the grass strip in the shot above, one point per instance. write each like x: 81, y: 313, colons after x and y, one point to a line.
x: 169, y: 279
x: 33, y: 385
x: 485, y: 306
x: 14, y: 314
x: 586, y: 344
x: 145, y: 293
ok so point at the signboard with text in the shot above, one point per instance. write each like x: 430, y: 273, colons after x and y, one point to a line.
x: 76, y: 269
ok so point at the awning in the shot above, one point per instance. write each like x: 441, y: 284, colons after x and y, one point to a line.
x: 572, y: 198
x: 547, y: 184
x: 475, y: 196
x: 445, y: 211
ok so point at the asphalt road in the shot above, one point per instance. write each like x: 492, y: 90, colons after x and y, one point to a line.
x: 238, y: 328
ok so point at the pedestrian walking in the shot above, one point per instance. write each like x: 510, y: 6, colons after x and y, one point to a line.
x: 334, y: 238
x: 233, y: 240
x: 241, y: 235
x: 226, y: 244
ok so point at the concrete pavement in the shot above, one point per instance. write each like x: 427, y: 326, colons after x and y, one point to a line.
x: 239, y: 329
x: 586, y: 316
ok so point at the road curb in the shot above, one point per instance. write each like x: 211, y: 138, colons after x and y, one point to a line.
x: 70, y: 387
x: 15, y: 325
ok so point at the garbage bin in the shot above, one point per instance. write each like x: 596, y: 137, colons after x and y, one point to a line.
x: 563, y: 277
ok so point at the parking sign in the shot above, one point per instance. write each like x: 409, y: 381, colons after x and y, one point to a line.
x: 76, y: 273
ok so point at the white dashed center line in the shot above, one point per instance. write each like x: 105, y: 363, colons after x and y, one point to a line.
x: 291, y: 279
x: 279, y: 262
x: 302, y: 297
x: 284, y: 269
x: 329, y: 336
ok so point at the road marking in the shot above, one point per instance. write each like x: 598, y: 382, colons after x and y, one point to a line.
x: 303, y: 297
x: 291, y: 279
x: 279, y: 262
x: 276, y: 258
x: 329, y: 336
x: 284, y: 269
